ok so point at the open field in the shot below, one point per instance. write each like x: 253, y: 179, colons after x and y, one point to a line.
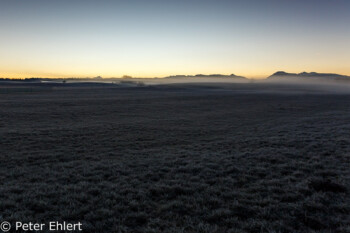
x: 177, y: 158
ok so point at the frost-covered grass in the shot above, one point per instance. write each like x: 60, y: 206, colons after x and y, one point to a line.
x: 163, y: 159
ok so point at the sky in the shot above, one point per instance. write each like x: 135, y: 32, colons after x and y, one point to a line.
x: 157, y: 38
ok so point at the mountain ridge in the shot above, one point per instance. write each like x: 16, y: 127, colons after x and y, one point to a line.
x: 307, y: 76
x: 207, y: 76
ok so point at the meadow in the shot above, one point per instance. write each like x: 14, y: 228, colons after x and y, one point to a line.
x: 177, y: 158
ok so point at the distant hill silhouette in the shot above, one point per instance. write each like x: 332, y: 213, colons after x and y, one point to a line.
x: 279, y: 76
x: 207, y: 76
x: 307, y: 77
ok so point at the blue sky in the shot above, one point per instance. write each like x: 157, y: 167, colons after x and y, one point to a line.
x: 157, y: 38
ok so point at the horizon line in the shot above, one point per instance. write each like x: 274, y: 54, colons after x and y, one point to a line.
x: 161, y: 77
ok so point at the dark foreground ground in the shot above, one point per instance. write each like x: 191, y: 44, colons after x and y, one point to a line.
x: 175, y: 159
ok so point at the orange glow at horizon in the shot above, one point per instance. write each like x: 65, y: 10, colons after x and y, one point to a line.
x: 258, y: 74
